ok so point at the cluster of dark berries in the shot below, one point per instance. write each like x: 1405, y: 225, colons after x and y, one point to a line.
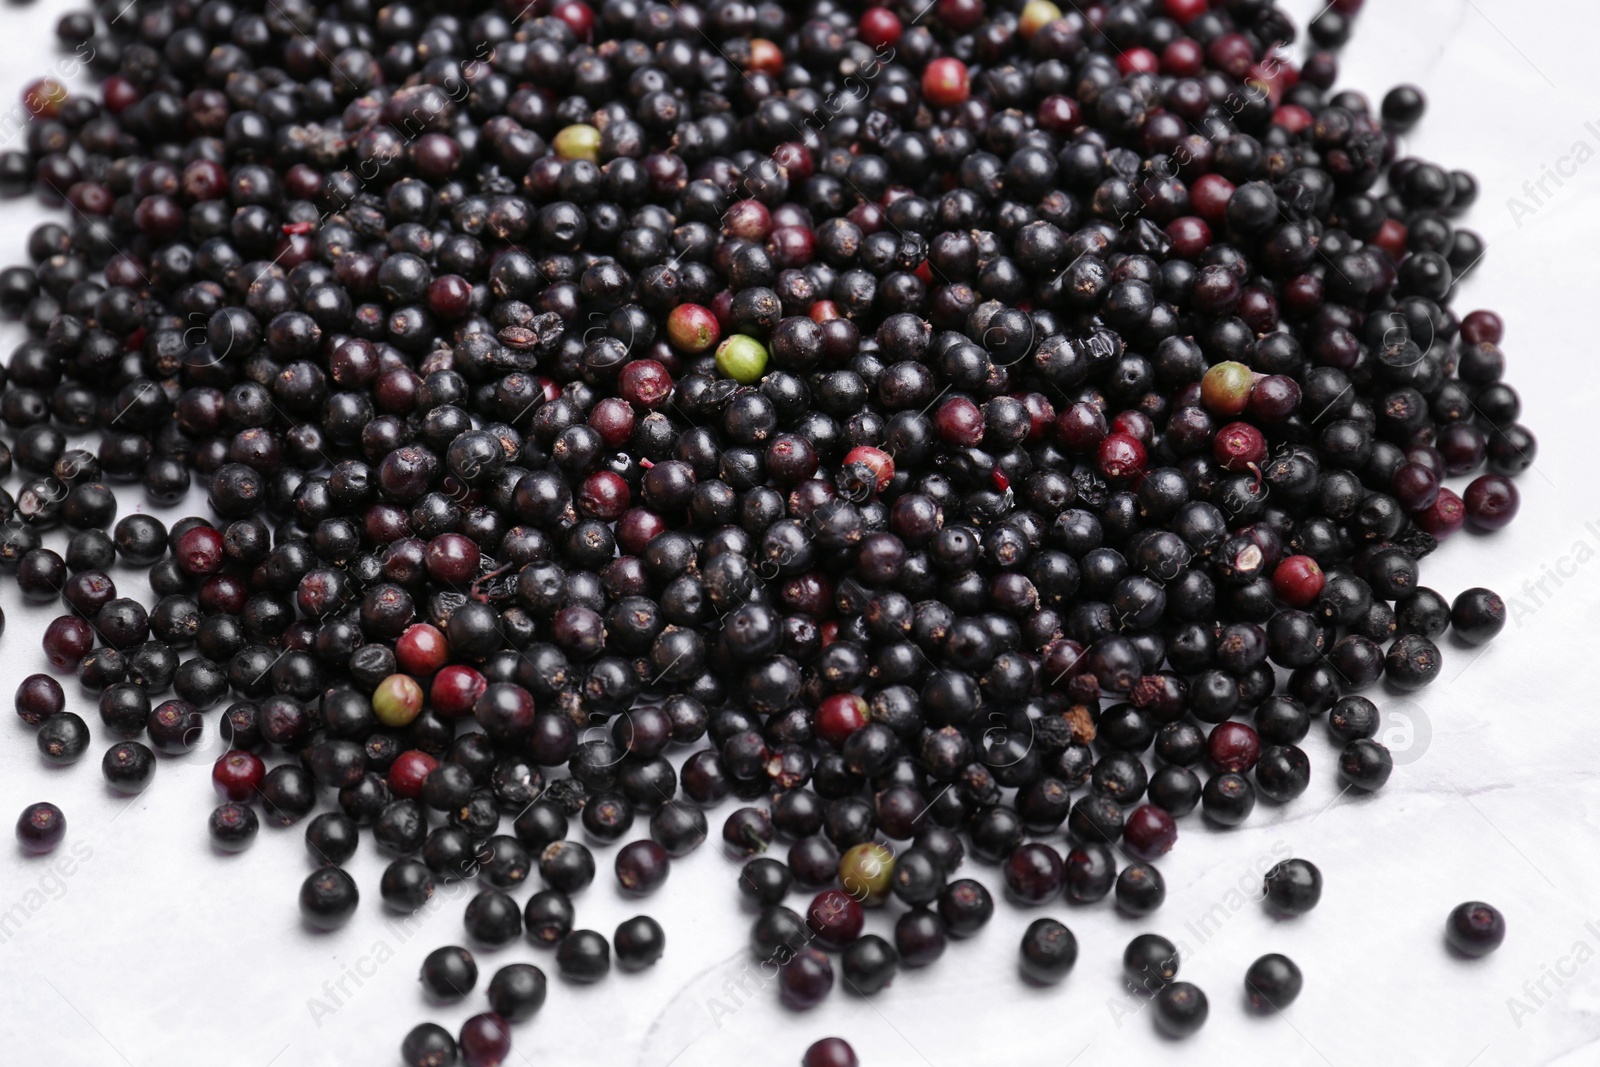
x: 932, y: 427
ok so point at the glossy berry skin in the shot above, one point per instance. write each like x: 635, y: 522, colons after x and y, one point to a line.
x: 548, y: 917
x: 1297, y: 580
x: 1150, y: 831
x: 966, y: 907
x: 1272, y: 983
x: 63, y: 738
x: 233, y: 826
x: 765, y: 880
x: 128, y: 767
x: 328, y: 898
x: 455, y: 689
x: 742, y: 358
x: 1412, y: 662
x: 1491, y: 502
x: 1225, y: 389
x: 1227, y: 799
x: 1293, y: 887
x: 1365, y: 764
x: 429, y: 1045
x: 449, y: 974
x: 583, y: 956
x: 866, y: 871
x: 692, y: 329
x: 517, y: 992
x: 41, y: 827
x: 639, y: 942
x: 422, y: 650
x: 1033, y: 873
x: 485, y: 1041
x: 832, y: 1051
x: 397, y: 700
x: 835, y: 918
x: 642, y: 866
x: 1149, y: 962
x: 919, y: 937
x: 237, y: 775
x: 869, y: 964
x: 39, y: 697
x: 805, y: 980
x: 945, y: 82
x: 1477, y: 615
x: 1233, y: 747
x: 1475, y: 928
x: 1048, y: 953
x: 839, y: 716
x: 1181, y: 1009
x: 1140, y: 889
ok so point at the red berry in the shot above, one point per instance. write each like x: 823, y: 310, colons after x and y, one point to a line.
x: 1232, y: 53
x: 1138, y: 61
x: 453, y: 558
x: 604, y: 495
x: 645, y: 383
x: 1391, y: 237
x: 1444, y: 517
x: 1121, y: 456
x: 237, y: 775
x: 839, y: 716
x: 959, y: 421
x: 118, y: 93
x: 877, y: 460
x: 1292, y: 117
x: 1239, y: 446
x: 1183, y: 58
x: 880, y: 26
x: 1297, y: 581
x: 1491, y: 502
x: 1233, y: 747
x: 1060, y: 114
x: 1082, y: 427
x: 578, y: 16
x: 945, y: 82
x: 455, y: 690
x: 835, y: 918
x: 1184, y: 12
x: 961, y: 15
x: 199, y: 551
x: 830, y: 1052
x: 693, y: 329
x: 613, y: 419
x: 422, y: 649
x: 1209, y: 197
x: 408, y: 771
x: 1482, y: 327
x: 1150, y: 831
x: 1190, y: 236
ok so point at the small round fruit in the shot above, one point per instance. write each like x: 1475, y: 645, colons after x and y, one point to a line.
x: 328, y: 898
x: 831, y: 1051
x: 1475, y: 928
x: 867, y: 872
x: 1149, y: 962
x: 1272, y: 983
x: 1049, y: 950
x: 1181, y: 1009
x: 742, y: 358
x: 639, y: 942
x: 397, y: 700
x: 583, y: 956
x: 1293, y: 887
x: 41, y: 827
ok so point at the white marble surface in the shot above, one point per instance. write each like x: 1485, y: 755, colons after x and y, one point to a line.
x: 135, y: 945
